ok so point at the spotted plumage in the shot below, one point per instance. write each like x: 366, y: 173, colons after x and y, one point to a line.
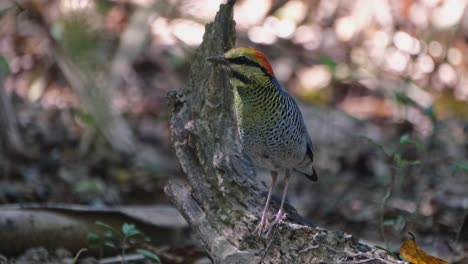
x: 271, y: 127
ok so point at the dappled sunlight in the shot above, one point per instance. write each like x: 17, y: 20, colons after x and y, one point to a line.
x: 447, y: 75
x: 201, y: 10
x: 189, y: 32
x: 261, y: 35
x: 448, y: 13
x: 454, y: 56
x: 436, y: 49
x: 162, y: 32
x: 396, y: 60
x: 309, y: 36
x: 406, y: 43
x: 345, y: 28
x: 461, y: 91
x: 367, y: 107
x: 314, y: 78
x: 417, y: 94
x: 424, y: 65
x: 67, y: 6
x: 250, y: 13
x: 294, y: 10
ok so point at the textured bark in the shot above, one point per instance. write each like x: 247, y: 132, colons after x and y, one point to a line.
x: 224, y: 199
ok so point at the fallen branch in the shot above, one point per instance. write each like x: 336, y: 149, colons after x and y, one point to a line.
x: 66, y: 226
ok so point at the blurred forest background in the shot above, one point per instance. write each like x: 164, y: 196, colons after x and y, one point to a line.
x: 383, y: 86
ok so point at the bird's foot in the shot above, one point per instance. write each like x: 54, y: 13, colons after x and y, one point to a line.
x: 262, y: 225
x: 279, y: 217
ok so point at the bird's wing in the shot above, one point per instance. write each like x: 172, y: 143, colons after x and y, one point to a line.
x: 310, y: 153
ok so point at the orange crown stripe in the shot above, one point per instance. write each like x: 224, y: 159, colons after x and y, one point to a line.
x: 260, y: 58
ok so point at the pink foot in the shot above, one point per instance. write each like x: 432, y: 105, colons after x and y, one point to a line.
x: 279, y: 217
x: 261, y: 227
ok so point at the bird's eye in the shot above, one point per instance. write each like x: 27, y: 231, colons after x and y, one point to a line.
x: 244, y: 60
x: 241, y: 60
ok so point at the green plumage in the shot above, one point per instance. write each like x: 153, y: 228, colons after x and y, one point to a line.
x: 271, y: 126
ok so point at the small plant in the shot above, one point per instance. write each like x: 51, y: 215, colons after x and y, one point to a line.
x: 399, y: 163
x: 459, y: 167
x: 4, y: 68
x: 128, y: 237
x: 77, y: 255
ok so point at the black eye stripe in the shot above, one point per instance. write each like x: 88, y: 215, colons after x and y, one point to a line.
x: 240, y: 77
x: 242, y: 60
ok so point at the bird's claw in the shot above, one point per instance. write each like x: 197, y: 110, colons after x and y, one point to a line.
x: 279, y: 217
x: 262, y: 225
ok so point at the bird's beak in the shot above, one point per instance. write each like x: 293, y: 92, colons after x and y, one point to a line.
x: 218, y: 60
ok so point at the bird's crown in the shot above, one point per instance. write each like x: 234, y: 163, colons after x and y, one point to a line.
x: 247, y: 55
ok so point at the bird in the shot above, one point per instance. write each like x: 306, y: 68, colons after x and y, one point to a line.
x: 272, y: 130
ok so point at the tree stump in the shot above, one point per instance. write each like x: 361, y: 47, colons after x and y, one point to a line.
x: 223, y: 200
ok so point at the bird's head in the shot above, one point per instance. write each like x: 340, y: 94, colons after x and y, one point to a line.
x: 247, y: 65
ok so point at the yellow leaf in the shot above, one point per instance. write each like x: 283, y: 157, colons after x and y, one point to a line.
x: 410, y: 251
x: 446, y: 106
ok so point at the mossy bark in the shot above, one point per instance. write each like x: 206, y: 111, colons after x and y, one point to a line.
x: 224, y: 199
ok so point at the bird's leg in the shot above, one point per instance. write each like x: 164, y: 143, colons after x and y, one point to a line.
x: 264, y: 220
x: 280, y: 214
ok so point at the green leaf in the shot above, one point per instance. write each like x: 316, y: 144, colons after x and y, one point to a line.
x: 418, y: 145
x: 92, y: 237
x: 429, y: 111
x: 405, y: 163
x: 329, y: 62
x: 380, y: 146
x: 104, y: 6
x: 79, y: 41
x: 389, y: 222
x: 85, y: 117
x: 110, y: 244
x: 459, y: 166
x: 90, y: 185
x: 99, y: 223
x: 404, y: 139
x: 129, y: 230
x: 148, y: 254
x: 403, y: 99
x: 400, y: 223
x: 109, y: 234
x: 4, y: 68
x: 75, y: 259
x: 56, y: 31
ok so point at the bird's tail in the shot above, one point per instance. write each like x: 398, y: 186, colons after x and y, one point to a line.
x: 307, y: 164
x: 313, y: 176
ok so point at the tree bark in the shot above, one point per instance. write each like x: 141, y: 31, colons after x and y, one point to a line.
x: 223, y: 199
